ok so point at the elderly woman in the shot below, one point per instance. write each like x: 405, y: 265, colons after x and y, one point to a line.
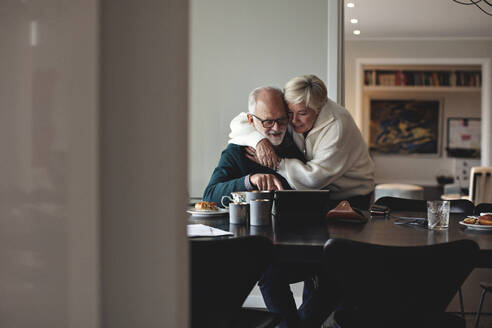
x: 337, y: 156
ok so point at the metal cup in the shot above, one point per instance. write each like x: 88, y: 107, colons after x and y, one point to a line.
x: 260, y: 212
x: 238, y: 213
x: 258, y: 194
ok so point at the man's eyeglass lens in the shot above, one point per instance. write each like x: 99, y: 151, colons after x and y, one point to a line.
x: 269, y: 123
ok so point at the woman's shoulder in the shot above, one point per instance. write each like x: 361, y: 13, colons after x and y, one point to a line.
x: 341, y: 116
x: 337, y: 110
x: 339, y: 126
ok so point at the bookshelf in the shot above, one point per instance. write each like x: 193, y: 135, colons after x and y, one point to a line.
x: 422, y: 78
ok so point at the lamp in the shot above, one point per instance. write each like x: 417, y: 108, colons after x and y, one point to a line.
x: 484, y: 5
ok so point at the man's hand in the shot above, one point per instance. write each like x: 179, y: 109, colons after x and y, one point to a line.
x: 265, y: 182
x: 265, y: 154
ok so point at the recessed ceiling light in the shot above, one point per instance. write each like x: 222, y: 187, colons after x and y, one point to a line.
x: 354, y: 20
x: 350, y: 5
x: 356, y: 32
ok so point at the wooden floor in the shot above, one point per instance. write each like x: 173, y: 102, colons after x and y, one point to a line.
x: 485, y: 322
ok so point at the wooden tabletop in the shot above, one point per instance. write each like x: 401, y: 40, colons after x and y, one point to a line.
x: 305, y: 242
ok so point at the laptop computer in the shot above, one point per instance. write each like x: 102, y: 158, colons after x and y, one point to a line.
x: 301, y: 206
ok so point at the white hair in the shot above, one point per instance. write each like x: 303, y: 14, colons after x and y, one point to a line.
x: 253, y: 96
x: 307, y: 89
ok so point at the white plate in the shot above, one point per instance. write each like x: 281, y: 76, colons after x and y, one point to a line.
x: 477, y: 226
x: 219, y: 212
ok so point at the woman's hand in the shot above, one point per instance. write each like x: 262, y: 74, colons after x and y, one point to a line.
x: 264, y: 154
x: 265, y: 182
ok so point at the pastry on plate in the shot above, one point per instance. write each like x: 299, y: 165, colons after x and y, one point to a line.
x: 485, y: 219
x: 206, y: 206
x: 470, y: 220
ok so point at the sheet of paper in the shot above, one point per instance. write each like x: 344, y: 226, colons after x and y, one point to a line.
x: 201, y: 230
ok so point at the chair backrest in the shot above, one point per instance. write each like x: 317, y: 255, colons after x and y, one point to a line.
x: 483, y: 208
x: 403, y: 204
x: 416, y: 205
x: 481, y: 184
x: 392, y: 281
x: 461, y: 206
x: 223, y: 272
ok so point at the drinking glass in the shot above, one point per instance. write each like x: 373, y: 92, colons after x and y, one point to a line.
x: 438, y: 214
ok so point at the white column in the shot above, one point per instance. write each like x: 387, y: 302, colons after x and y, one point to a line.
x: 335, y: 74
x: 486, y: 144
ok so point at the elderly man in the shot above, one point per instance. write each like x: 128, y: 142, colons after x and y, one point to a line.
x: 268, y: 115
x: 235, y: 172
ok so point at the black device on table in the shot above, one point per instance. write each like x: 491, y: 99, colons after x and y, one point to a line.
x: 301, y: 206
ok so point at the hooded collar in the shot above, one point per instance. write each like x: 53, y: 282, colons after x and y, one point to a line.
x: 324, y: 118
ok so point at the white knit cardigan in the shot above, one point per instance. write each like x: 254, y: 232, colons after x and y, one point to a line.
x: 337, y: 155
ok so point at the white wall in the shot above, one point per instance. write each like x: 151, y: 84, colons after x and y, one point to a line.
x: 423, y: 170
x: 235, y: 47
x: 49, y: 262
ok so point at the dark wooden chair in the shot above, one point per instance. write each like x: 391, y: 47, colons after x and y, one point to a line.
x: 417, y: 205
x: 486, y: 286
x: 386, y: 286
x: 403, y: 204
x: 223, y: 272
x: 461, y: 206
x: 482, y: 208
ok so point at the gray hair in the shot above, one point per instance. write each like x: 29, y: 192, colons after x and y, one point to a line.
x: 253, y: 96
x: 307, y: 89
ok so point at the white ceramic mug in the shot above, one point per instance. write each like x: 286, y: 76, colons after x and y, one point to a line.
x: 260, y: 212
x: 237, y: 197
x: 238, y: 213
x: 259, y: 194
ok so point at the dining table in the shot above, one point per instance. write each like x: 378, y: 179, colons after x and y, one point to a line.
x: 302, y: 240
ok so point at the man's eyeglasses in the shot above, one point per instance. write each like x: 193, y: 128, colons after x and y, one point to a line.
x: 270, y: 123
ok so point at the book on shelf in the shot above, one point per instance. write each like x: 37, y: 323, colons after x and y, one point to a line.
x: 430, y: 78
x: 398, y: 80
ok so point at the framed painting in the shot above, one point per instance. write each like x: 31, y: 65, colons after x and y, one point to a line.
x: 464, y: 137
x: 405, y: 127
